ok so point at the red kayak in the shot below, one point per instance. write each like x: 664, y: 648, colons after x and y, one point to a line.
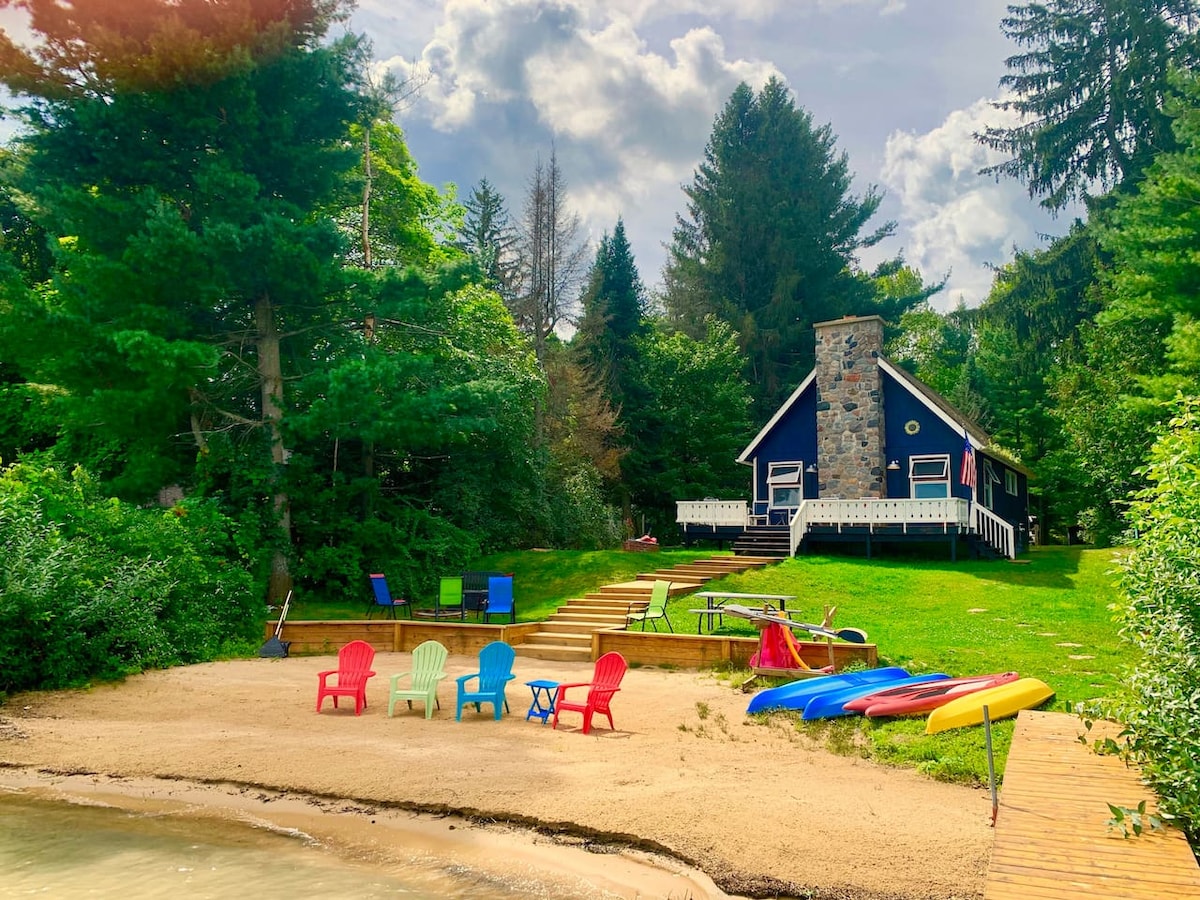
x: 920, y: 698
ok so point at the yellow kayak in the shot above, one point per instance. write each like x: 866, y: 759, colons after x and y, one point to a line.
x: 1002, y: 701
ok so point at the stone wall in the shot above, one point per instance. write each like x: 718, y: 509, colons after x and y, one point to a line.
x: 850, y: 452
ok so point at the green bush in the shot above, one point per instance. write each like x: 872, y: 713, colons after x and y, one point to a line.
x: 92, y: 588
x: 1160, y: 614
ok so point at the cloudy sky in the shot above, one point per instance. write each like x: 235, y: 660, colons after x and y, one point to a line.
x: 626, y: 92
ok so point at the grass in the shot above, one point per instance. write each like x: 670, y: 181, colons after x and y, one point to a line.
x: 1048, y: 617
x: 543, y: 581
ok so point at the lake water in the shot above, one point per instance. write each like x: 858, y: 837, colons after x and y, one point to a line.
x: 64, y: 851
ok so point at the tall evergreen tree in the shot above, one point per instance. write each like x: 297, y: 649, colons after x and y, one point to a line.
x: 1090, y: 86
x: 770, y: 239
x: 490, y: 239
x: 178, y: 150
x: 614, y: 316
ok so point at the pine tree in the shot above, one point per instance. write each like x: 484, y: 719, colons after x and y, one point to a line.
x: 614, y: 316
x: 770, y: 239
x: 489, y: 238
x: 179, y: 151
x: 1090, y: 87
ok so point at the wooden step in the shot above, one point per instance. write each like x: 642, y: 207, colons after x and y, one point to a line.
x: 577, y: 626
x: 588, y: 617
x: 598, y: 604
x: 690, y: 577
x: 563, y: 638
x: 626, y: 597
x: 554, y: 652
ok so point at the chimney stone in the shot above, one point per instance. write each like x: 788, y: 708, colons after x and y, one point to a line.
x: 850, y: 417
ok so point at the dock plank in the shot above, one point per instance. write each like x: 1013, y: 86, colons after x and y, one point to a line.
x: 1052, y: 834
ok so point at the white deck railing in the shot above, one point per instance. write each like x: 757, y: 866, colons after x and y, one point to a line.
x: 946, y: 513
x: 994, y: 530
x: 712, y: 512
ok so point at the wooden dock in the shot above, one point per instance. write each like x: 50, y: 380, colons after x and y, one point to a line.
x: 1053, y: 841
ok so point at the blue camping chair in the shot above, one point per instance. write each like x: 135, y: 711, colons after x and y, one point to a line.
x: 500, y: 599
x: 495, y: 671
x: 384, y: 599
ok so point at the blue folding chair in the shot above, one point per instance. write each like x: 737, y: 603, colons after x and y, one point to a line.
x: 495, y: 672
x: 384, y: 599
x: 500, y: 599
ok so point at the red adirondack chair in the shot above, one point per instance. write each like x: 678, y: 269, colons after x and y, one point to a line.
x: 606, y: 681
x: 354, y: 668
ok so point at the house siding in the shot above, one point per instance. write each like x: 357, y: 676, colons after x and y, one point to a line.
x: 792, y: 438
x: 933, y: 436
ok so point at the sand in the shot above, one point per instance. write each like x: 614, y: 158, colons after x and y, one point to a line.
x: 687, y: 797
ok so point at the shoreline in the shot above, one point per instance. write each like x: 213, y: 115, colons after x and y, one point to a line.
x: 507, y: 854
x: 686, y: 779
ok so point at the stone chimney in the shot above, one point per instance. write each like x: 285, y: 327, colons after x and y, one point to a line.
x: 850, y: 452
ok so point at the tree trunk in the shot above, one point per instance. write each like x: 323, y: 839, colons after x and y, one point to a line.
x: 270, y: 379
x: 366, y: 200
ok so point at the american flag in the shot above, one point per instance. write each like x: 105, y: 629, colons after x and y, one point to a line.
x: 967, y: 474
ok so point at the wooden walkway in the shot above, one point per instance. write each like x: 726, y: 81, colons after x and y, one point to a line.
x: 1052, y: 837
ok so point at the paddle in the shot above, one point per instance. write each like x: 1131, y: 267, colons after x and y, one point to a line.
x: 852, y: 635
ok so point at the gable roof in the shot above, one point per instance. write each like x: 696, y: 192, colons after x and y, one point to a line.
x: 937, y: 404
x: 779, y: 414
x: 931, y: 399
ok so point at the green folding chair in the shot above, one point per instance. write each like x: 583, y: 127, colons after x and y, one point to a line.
x: 450, y: 597
x: 655, y: 611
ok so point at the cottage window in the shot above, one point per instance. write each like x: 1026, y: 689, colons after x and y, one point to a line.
x: 1010, y: 482
x: 929, y: 476
x: 990, y: 480
x: 784, y: 484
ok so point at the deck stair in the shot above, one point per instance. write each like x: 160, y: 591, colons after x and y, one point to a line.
x: 771, y: 541
x: 567, y: 633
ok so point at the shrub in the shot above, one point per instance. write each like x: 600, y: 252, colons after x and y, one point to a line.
x: 92, y: 588
x: 1160, y: 615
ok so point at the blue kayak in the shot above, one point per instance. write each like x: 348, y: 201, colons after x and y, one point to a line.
x: 796, y: 694
x: 828, y: 704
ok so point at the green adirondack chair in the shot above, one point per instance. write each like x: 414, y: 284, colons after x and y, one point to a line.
x: 655, y: 611
x: 428, y: 668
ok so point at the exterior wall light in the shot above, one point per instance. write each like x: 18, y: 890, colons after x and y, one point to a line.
x: 894, y: 465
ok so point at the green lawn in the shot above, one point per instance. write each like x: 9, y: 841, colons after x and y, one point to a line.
x: 1047, y: 616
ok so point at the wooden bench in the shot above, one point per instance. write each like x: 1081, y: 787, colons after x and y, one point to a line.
x: 1053, y: 841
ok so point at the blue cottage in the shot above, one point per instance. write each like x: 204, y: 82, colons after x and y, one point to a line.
x: 862, y: 451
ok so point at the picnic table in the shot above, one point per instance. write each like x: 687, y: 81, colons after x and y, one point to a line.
x: 714, y: 600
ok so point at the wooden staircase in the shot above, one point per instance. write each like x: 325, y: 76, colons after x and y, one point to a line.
x: 773, y: 542
x: 567, y: 634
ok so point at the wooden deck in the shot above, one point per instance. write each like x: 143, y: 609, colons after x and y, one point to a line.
x: 1052, y: 838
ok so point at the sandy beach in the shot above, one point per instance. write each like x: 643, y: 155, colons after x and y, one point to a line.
x: 687, y: 798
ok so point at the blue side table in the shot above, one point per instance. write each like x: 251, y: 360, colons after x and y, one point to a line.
x: 543, y: 699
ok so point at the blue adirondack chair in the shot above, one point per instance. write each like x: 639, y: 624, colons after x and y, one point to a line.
x: 500, y: 599
x: 495, y: 672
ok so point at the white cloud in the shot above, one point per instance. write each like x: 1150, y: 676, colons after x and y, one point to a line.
x: 628, y: 123
x: 955, y: 219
